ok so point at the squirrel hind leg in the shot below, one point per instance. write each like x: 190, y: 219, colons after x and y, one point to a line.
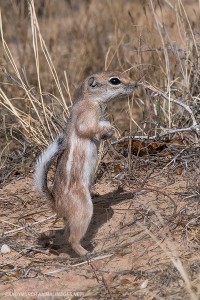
x: 76, y: 234
x: 76, y: 246
x: 73, y: 239
x: 70, y: 234
x: 78, y: 227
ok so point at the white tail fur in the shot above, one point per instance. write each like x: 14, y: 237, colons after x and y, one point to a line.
x: 43, y: 164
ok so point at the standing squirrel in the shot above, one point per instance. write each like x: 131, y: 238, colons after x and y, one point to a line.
x: 77, y: 151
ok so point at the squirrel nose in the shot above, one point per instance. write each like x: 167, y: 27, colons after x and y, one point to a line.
x: 136, y: 83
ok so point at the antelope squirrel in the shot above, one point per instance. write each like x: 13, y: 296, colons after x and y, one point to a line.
x: 77, y: 151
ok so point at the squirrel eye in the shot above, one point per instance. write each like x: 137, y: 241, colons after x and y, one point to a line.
x: 115, y: 81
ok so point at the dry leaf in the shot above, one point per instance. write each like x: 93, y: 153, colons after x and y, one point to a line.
x: 179, y: 170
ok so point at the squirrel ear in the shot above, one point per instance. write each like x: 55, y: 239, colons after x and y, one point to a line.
x: 92, y: 82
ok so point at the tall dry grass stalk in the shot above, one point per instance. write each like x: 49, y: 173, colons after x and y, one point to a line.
x: 55, y: 44
x: 169, y: 248
x: 37, y: 124
x: 173, y: 64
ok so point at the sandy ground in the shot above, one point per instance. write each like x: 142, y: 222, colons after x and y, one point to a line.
x: 145, y: 222
x: 134, y: 237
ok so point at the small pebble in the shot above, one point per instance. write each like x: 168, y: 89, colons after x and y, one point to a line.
x: 63, y: 255
x: 5, y: 249
x: 144, y: 284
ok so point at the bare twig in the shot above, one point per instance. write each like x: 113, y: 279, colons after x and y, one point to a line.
x: 158, y: 92
x: 6, y: 222
x: 78, y: 265
x: 164, y: 132
x: 169, y: 249
x: 28, y: 225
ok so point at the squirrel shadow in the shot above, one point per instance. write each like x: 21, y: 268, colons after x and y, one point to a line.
x: 56, y: 240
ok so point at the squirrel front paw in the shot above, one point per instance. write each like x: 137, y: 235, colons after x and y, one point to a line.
x: 106, y: 130
x: 107, y: 135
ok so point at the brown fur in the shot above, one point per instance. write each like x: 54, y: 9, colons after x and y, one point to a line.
x: 76, y: 165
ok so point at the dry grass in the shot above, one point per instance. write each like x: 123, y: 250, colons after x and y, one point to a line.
x: 48, y: 47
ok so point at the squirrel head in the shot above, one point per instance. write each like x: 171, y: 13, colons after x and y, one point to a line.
x: 106, y: 86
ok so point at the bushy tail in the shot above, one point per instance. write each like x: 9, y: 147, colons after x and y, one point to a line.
x: 43, y: 164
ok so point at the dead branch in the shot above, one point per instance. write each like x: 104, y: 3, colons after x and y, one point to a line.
x: 79, y: 264
x: 165, y: 131
x: 28, y: 225
x: 157, y: 92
